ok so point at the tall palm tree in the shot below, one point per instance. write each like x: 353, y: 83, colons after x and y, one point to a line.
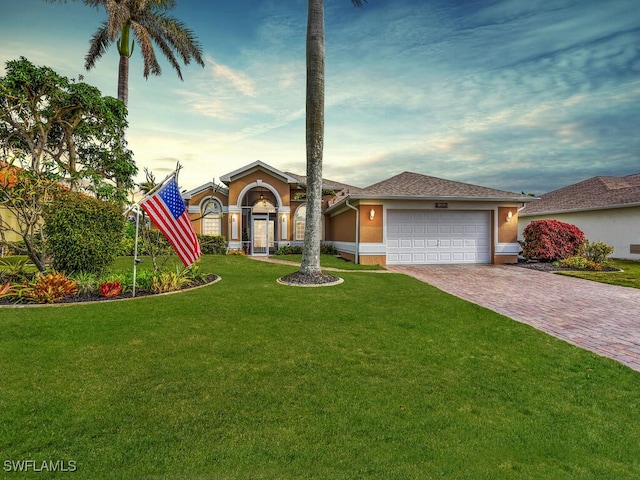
x: 149, y: 24
x: 315, y: 135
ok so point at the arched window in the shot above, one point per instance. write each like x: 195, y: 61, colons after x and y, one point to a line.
x: 299, y: 222
x: 212, y: 218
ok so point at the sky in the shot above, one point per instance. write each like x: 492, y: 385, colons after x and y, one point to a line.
x: 519, y: 95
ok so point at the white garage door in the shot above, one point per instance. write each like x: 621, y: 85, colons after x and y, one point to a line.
x: 426, y: 236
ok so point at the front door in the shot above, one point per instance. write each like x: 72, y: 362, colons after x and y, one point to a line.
x: 260, y: 241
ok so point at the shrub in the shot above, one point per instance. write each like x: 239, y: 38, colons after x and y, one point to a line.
x: 168, y: 281
x: 596, y: 252
x: 328, y: 249
x: 52, y: 288
x: 212, y: 244
x: 87, y: 282
x: 288, y: 250
x: 550, y: 240
x: 110, y: 289
x: 82, y: 232
x: 580, y: 262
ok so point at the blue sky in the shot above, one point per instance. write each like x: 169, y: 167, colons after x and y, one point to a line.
x: 518, y: 95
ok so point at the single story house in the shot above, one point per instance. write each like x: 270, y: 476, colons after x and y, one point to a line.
x: 407, y: 219
x: 606, y: 209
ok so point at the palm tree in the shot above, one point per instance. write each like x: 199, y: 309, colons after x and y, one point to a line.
x: 149, y: 24
x: 315, y: 136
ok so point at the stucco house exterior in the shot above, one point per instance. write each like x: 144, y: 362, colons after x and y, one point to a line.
x: 606, y: 209
x: 407, y: 219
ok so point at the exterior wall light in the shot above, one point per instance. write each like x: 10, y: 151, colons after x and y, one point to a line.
x: 372, y: 214
x: 509, y: 216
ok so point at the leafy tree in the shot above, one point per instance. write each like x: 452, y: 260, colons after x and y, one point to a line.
x: 315, y: 135
x: 148, y: 22
x: 51, y: 124
x: 55, y: 132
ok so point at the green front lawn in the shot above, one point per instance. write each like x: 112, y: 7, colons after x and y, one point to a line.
x: 629, y: 277
x: 381, y: 377
x: 329, y: 261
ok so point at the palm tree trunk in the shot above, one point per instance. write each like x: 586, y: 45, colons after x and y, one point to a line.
x: 123, y: 79
x: 314, y: 136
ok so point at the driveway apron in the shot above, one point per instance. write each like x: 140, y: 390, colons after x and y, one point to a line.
x: 598, y: 317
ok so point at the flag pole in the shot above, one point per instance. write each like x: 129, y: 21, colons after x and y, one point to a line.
x: 136, y: 208
x: 136, y: 260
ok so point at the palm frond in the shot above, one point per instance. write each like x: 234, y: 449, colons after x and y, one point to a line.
x: 151, y: 65
x: 98, y: 45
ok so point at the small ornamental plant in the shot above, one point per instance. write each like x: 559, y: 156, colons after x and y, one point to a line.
x: 110, y: 289
x: 550, y: 240
x: 52, y: 288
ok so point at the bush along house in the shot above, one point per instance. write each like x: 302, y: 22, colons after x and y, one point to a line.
x: 407, y: 219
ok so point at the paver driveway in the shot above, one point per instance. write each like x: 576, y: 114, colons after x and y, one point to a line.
x: 602, y: 318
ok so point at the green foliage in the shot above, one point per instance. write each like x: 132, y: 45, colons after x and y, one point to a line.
x: 67, y: 129
x: 87, y: 282
x: 212, y: 244
x: 580, y: 262
x: 169, y: 281
x: 328, y: 249
x: 82, y: 232
x: 597, y: 252
x: 288, y: 250
x: 13, y: 269
x: 325, y: 248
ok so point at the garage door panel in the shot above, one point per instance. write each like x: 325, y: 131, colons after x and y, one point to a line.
x: 415, y: 237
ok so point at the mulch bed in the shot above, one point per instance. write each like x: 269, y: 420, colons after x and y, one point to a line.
x: 88, y: 297
x: 309, y: 279
x: 550, y: 267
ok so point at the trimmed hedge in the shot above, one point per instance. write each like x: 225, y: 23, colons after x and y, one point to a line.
x: 551, y: 240
x: 82, y: 233
x: 213, y: 244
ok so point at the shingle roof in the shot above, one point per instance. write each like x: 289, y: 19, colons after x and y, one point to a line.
x: 595, y: 193
x: 326, y: 183
x: 415, y: 184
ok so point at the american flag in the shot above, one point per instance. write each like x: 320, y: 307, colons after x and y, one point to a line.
x: 167, y: 211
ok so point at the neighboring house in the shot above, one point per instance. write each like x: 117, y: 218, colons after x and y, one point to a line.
x: 407, y: 219
x: 606, y: 209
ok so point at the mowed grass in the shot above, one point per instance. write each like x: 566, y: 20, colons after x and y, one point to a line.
x: 381, y: 377
x: 628, y: 277
x: 329, y: 261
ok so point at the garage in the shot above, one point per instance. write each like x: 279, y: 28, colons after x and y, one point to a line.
x: 437, y: 237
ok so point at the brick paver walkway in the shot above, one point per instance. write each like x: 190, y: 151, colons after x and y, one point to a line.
x: 598, y: 317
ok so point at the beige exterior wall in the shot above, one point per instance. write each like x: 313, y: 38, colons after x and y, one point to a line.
x: 507, y: 228
x: 236, y: 187
x: 371, y: 230
x: 8, y: 217
x: 342, y: 227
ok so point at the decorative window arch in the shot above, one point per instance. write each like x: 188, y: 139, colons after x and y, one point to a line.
x: 299, y: 222
x: 211, y: 217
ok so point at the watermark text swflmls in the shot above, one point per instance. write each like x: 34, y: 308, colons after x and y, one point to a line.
x: 39, y: 466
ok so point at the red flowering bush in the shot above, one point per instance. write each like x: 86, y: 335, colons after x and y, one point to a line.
x: 551, y: 240
x: 110, y: 289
